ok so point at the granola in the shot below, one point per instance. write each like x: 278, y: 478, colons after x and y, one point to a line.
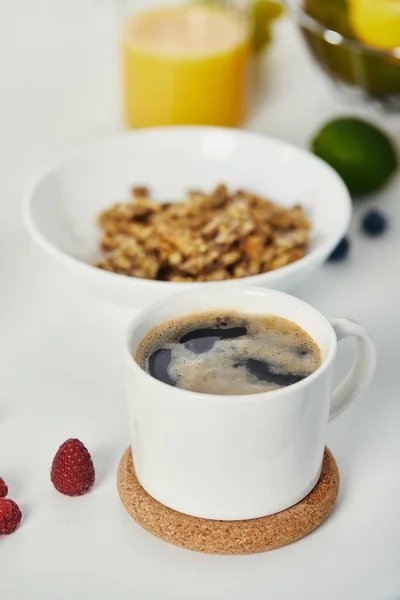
x: 206, y: 237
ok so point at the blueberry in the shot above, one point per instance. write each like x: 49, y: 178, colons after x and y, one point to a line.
x: 341, y: 250
x: 374, y: 223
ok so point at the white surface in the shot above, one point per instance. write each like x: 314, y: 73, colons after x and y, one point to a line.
x: 263, y: 453
x: 62, y: 374
x: 61, y: 206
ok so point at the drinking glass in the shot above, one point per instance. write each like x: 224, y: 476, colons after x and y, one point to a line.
x: 188, y: 63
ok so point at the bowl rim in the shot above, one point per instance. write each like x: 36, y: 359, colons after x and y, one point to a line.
x: 333, y: 37
x: 281, y: 273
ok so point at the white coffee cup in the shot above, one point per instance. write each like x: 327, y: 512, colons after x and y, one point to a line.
x: 238, y: 457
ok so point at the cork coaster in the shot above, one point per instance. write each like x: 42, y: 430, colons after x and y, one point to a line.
x: 229, y: 537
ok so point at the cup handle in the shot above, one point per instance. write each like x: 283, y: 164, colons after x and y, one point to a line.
x: 362, y: 371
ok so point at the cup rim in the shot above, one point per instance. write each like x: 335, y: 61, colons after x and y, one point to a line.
x: 258, y: 397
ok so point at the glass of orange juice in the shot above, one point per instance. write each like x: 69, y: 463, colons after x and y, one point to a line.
x: 186, y: 62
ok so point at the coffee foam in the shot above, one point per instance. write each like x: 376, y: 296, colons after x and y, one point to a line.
x: 272, y: 339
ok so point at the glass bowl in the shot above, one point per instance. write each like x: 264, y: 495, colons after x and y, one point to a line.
x: 372, y: 73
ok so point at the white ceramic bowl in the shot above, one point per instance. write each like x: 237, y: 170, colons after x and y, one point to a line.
x: 60, y: 208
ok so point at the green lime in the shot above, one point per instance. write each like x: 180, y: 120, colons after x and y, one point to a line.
x: 363, y: 155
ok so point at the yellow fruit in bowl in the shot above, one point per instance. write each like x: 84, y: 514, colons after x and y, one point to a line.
x: 376, y: 22
x: 263, y: 14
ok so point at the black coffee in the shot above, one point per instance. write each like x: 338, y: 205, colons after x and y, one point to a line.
x: 229, y: 353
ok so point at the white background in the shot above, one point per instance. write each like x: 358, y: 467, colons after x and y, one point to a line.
x: 60, y: 363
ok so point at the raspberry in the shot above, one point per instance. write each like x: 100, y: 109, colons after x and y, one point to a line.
x: 10, y: 516
x: 72, y: 472
x: 3, y: 488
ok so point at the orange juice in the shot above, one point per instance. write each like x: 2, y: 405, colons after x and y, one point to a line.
x: 186, y: 65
